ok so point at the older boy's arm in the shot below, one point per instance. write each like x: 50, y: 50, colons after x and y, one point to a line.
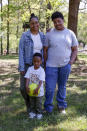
x: 73, y: 55
x: 39, y: 85
x: 45, y: 54
x: 27, y: 85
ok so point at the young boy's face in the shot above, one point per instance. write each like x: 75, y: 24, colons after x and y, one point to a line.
x: 37, y: 62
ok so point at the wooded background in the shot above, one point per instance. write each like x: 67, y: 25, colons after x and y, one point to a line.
x: 15, y: 13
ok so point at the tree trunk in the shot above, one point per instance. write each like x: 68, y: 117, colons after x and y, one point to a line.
x: 48, y: 17
x: 29, y: 6
x: 17, y: 30
x: 1, y: 30
x: 73, y: 15
x: 8, y: 28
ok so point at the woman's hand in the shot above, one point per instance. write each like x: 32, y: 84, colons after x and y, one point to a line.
x: 27, y: 89
x: 27, y: 85
x: 22, y: 72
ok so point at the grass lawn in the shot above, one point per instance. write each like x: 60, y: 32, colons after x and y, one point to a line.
x: 13, y: 116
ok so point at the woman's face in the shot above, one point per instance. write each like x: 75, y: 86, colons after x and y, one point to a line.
x: 58, y: 23
x: 34, y: 24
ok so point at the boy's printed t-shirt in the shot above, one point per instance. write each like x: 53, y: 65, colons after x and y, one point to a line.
x: 35, y: 76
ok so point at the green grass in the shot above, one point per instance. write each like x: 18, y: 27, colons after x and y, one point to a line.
x: 13, y: 116
x: 9, y: 57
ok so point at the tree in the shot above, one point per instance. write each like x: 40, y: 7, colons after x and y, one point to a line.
x: 1, y: 29
x: 49, y: 7
x: 16, y: 12
x: 73, y: 15
x: 8, y: 28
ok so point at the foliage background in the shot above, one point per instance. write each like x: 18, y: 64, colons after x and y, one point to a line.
x: 20, y: 10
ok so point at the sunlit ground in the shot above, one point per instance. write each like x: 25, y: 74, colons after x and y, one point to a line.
x: 13, y: 116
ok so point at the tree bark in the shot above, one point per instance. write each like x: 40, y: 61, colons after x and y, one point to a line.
x: 17, y: 30
x: 29, y: 6
x: 1, y: 30
x: 48, y: 17
x: 73, y: 15
x: 8, y: 28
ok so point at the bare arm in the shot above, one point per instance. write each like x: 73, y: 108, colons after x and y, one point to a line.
x: 39, y: 85
x: 22, y: 72
x: 73, y: 55
x: 45, y: 54
x: 27, y: 85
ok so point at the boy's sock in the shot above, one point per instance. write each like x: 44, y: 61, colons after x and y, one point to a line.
x: 32, y: 115
x: 39, y: 116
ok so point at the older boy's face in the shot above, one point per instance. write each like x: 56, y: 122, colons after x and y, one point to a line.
x: 58, y: 23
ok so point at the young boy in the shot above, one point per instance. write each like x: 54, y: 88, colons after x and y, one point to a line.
x: 35, y: 74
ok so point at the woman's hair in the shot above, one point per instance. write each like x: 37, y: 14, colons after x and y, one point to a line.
x: 33, y: 16
x: 57, y: 15
x: 38, y: 55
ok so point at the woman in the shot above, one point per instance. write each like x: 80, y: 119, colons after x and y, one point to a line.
x: 31, y: 42
x: 60, y: 52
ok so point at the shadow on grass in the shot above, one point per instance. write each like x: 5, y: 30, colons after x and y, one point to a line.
x: 9, y: 92
x: 80, y: 84
x: 78, y: 102
x: 13, y: 116
x: 13, y: 113
x: 9, y: 57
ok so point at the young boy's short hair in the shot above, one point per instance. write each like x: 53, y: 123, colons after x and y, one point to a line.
x: 57, y: 15
x: 37, y: 54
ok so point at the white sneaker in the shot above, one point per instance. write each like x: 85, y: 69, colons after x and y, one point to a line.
x: 63, y: 111
x: 39, y: 116
x: 32, y: 115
